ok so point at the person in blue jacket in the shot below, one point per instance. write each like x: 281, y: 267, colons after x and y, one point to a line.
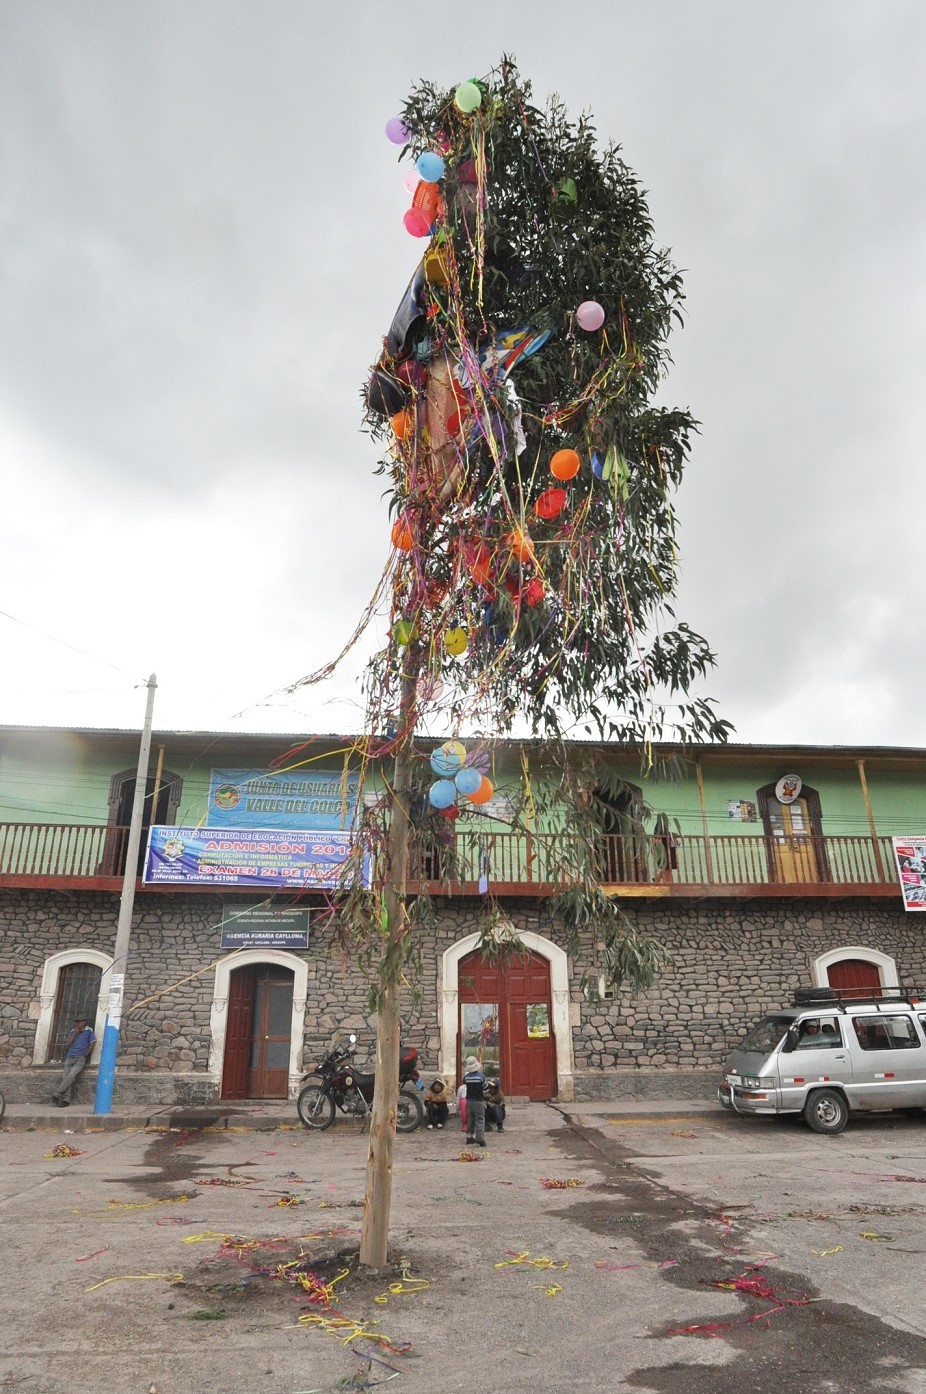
x: 77, y: 1051
x: 475, y: 1082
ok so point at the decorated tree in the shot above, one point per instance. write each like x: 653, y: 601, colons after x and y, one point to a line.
x: 534, y: 561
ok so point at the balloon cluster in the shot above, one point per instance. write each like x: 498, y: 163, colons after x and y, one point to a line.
x: 459, y: 774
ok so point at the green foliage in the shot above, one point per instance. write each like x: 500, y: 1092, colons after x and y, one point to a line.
x: 596, y: 649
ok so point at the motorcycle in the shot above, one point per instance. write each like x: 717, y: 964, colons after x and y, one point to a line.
x: 351, y: 1090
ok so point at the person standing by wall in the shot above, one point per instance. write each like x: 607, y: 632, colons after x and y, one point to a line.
x: 475, y: 1082
x: 77, y: 1051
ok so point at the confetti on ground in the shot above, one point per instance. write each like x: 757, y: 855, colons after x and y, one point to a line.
x: 524, y: 1260
x: 876, y: 1238
x: 909, y: 1180
x: 64, y: 1150
x: 114, y: 1206
x: 408, y: 1285
x: 749, y: 1286
x: 96, y: 1253
x: 224, y: 1181
x: 825, y: 1253
x: 550, y: 1183
x: 287, y: 1200
x: 552, y: 1291
x: 470, y: 1157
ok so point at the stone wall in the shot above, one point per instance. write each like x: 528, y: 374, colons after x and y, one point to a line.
x: 731, y: 961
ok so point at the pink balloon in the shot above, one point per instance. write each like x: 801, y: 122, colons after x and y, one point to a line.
x: 416, y: 223
x: 590, y: 315
x: 412, y: 180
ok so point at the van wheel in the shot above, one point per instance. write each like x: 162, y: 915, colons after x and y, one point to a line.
x: 826, y: 1111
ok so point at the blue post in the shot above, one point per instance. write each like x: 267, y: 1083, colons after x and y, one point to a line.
x: 106, y: 1073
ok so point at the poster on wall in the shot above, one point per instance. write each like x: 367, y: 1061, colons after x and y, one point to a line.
x: 311, y: 799
x: 910, y: 856
x: 265, y: 927
x: 246, y: 857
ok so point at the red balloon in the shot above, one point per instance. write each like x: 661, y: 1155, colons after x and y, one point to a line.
x: 533, y: 592
x: 451, y: 812
x: 551, y: 503
x: 417, y: 223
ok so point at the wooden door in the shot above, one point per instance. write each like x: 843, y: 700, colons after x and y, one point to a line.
x: 506, y: 1014
x: 792, y: 843
x: 238, y: 1018
x: 271, y: 1036
x: 855, y: 977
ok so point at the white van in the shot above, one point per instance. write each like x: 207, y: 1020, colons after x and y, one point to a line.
x: 827, y: 1055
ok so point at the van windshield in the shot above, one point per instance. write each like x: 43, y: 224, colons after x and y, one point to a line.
x: 765, y: 1037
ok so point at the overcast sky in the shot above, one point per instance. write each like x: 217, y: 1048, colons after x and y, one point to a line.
x: 201, y: 246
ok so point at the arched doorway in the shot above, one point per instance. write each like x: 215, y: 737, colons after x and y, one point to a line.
x: 506, y: 1021
x: 856, y: 971
x: 258, y: 1024
x: 258, y: 1033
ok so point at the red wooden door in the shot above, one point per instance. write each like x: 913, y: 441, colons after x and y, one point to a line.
x: 855, y: 977
x: 239, y: 1016
x: 519, y: 993
x: 271, y: 1034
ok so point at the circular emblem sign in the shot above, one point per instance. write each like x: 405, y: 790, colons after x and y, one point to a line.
x: 788, y: 788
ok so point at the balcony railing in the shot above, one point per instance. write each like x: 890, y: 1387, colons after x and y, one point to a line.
x: 70, y: 856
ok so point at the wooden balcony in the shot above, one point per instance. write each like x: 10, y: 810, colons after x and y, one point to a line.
x: 92, y: 857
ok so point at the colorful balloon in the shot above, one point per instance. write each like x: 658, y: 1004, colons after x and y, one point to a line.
x: 565, y: 464
x: 533, y: 592
x: 551, y: 503
x: 448, y: 758
x: 451, y: 811
x: 430, y: 166
x: 404, y: 632
x: 403, y: 424
x: 403, y: 539
x: 484, y: 792
x: 397, y: 131
x: 590, y: 315
x: 521, y: 546
x: 468, y: 97
x: 467, y: 780
x: 416, y: 223
x: 442, y: 794
x: 456, y: 641
x: 411, y: 180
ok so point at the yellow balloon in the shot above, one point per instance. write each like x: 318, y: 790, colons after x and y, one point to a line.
x: 456, y: 641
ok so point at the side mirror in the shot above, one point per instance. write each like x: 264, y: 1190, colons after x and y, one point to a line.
x: 790, y: 1040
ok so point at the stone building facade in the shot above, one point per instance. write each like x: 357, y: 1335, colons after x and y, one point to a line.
x: 730, y: 960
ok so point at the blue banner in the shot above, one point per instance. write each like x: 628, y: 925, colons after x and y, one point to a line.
x: 312, y: 799
x: 246, y: 857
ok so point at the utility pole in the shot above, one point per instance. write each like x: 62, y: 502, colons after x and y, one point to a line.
x: 107, y: 1070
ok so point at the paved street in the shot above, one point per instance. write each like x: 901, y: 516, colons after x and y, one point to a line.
x: 158, y: 1259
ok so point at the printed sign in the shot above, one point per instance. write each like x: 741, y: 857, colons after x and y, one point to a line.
x: 741, y: 810
x: 313, y: 799
x: 265, y: 928
x: 910, y: 855
x: 245, y: 857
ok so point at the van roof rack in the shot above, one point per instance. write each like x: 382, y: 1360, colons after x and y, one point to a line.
x: 839, y: 998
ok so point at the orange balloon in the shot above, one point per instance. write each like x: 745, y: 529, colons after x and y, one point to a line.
x: 481, y: 566
x: 403, y: 424
x: 565, y: 464
x: 402, y: 536
x: 483, y: 793
x: 521, y: 546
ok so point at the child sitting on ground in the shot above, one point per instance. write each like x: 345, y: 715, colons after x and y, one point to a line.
x: 436, y: 1106
x: 495, y: 1106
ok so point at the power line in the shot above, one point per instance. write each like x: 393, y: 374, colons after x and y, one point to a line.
x: 73, y: 647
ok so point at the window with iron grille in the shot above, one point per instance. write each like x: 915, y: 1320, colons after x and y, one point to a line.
x: 78, y: 992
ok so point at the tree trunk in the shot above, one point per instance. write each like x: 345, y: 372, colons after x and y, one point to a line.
x: 374, y: 1240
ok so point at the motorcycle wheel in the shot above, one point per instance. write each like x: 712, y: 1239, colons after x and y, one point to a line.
x: 409, y: 1112
x: 315, y: 1108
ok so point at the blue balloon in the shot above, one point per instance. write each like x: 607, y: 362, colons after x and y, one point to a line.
x: 468, y: 780
x: 597, y: 465
x: 430, y: 166
x: 443, y: 793
x: 446, y: 762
